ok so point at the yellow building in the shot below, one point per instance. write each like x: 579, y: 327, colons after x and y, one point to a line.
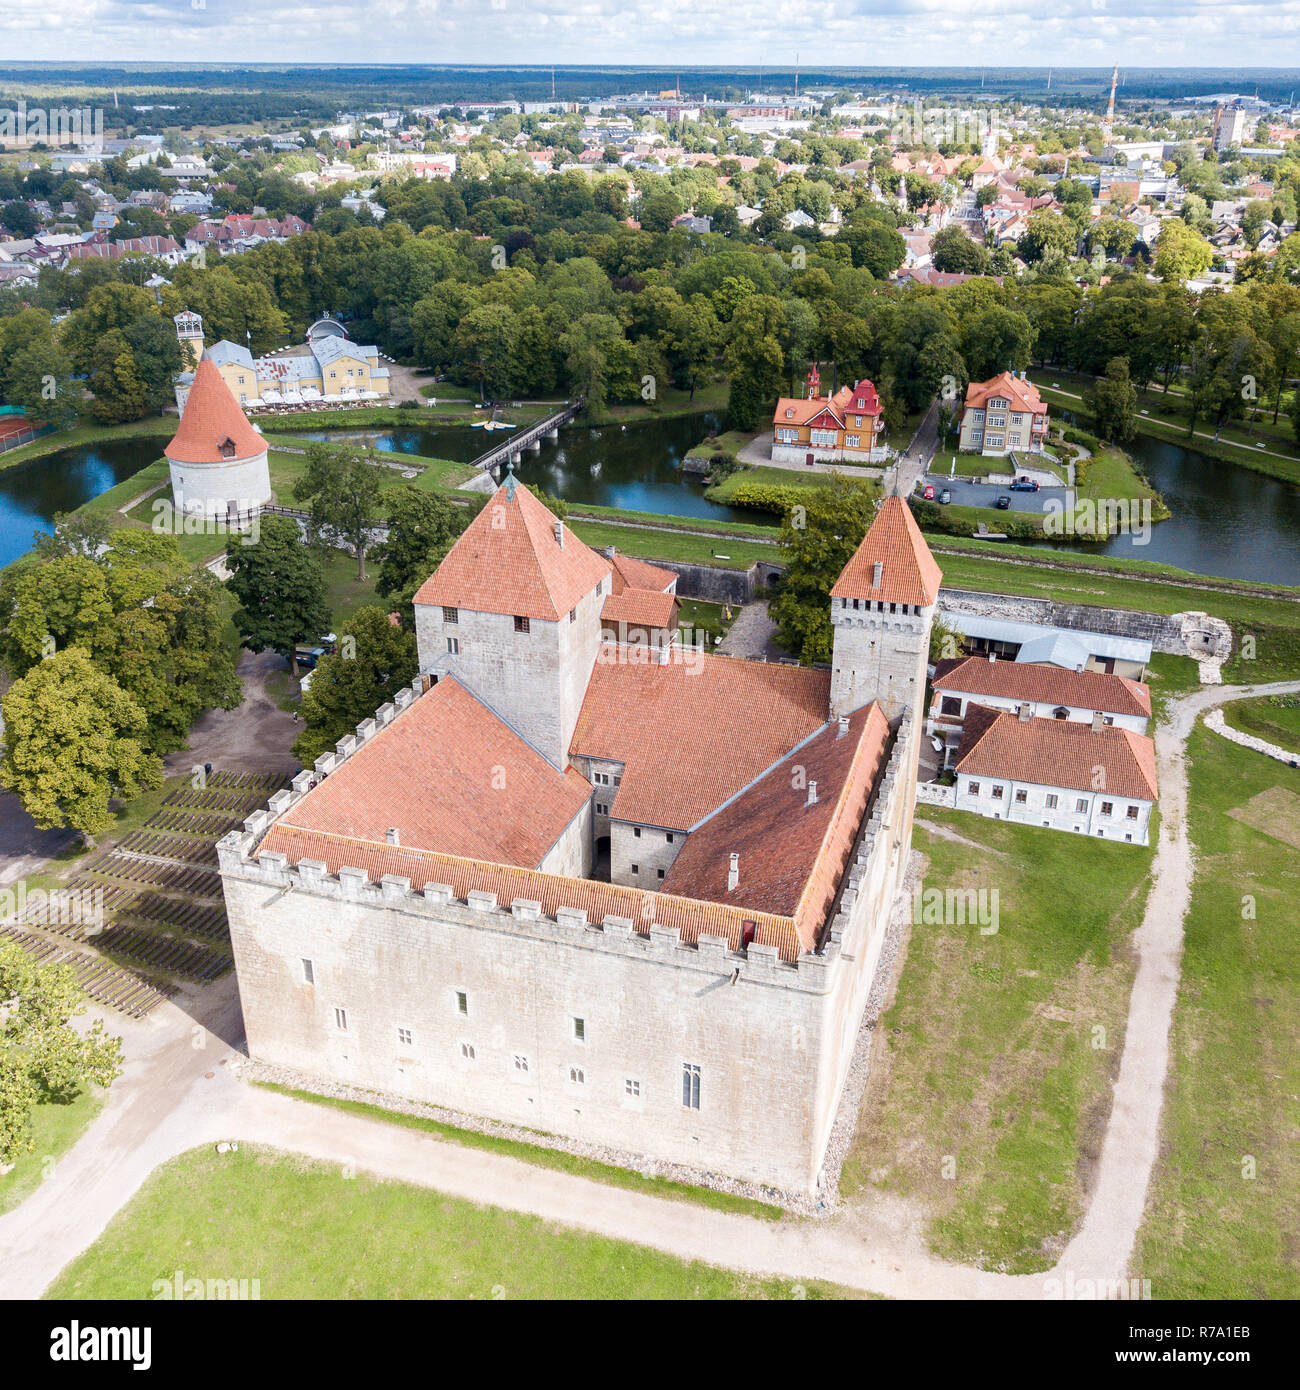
x: 328, y: 367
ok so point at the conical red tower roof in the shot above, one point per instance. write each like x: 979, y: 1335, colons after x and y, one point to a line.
x: 908, y: 572
x: 212, y: 419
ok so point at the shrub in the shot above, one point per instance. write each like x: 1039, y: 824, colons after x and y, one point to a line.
x: 768, y: 497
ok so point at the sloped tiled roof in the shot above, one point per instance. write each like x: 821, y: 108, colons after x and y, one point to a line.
x: 631, y: 573
x: 909, y: 573
x: 429, y: 775
x: 1023, y: 395
x: 1024, y: 680
x: 212, y: 415
x: 794, y: 410
x: 792, y: 853
x: 507, y: 560
x: 694, y: 731
x: 1058, y: 753
x: 692, y: 918
x: 641, y: 608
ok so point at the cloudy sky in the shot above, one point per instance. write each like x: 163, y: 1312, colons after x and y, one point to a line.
x: 1141, y: 33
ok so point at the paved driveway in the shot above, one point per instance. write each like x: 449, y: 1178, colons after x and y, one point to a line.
x: 968, y: 494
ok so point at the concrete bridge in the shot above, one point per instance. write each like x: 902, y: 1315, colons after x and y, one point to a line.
x: 531, y: 438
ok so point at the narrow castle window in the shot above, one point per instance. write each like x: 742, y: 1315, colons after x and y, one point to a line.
x: 690, y: 1085
x: 405, y: 1037
x: 341, y: 1019
x: 308, y: 972
x: 450, y: 615
x: 521, y: 624
x: 579, y: 1029
x: 453, y: 646
x: 462, y: 1002
x: 467, y: 1052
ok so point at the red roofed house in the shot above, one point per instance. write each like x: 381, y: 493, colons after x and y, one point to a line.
x: 826, y: 429
x: 630, y: 893
x: 1051, y: 692
x: 218, y: 460
x: 1092, y: 779
x: 1003, y: 416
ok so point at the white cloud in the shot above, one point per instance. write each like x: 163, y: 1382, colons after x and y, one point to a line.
x: 825, y: 33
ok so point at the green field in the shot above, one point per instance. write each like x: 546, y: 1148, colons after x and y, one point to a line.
x: 675, y: 545
x: 305, y: 1230
x: 1223, y: 1211
x: 286, y: 468
x: 990, y: 1083
x: 56, y: 1127
x: 1272, y: 717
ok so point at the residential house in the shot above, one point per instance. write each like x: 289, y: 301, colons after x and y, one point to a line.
x: 1003, y: 416
x: 846, y: 426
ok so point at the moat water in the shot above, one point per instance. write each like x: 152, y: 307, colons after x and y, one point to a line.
x: 1226, y: 520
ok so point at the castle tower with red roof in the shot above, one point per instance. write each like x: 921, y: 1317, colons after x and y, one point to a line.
x: 515, y: 611
x: 882, y: 607
x: 218, y: 460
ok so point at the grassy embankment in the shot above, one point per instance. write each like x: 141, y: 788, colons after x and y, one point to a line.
x: 1239, y: 442
x: 255, y: 1214
x: 1223, y: 1210
x: 992, y: 1076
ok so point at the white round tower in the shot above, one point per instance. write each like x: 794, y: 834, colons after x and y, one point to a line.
x: 218, y: 460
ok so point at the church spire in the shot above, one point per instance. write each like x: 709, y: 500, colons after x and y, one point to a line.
x: 510, y: 481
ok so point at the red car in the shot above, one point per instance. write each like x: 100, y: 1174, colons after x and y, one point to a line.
x: 928, y: 493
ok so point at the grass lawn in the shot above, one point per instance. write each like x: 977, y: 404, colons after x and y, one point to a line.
x: 286, y: 468
x: 544, y: 1157
x: 777, y: 477
x: 1111, y: 476
x: 344, y: 592
x: 1166, y: 419
x: 1272, y: 717
x: 257, y: 1214
x: 991, y: 1082
x: 1168, y: 677
x: 675, y: 545
x: 698, y: 617
x: 1224, y: 1206
x: 727, y: 442
x: 968, y: 465
x: 670, y: 401
x: 55, y: 1128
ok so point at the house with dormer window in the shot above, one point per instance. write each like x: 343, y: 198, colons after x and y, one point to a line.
x: 846, y: 426
x: 1003, y: 416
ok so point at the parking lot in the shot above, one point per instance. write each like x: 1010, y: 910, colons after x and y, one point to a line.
x: 968, y: 494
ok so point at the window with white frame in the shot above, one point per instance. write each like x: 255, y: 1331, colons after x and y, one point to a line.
x: 308, y: 971
x: 520, y: 1064
x: 631, y: 1088
x: 578, y: 1029
x: 577, y: 1077
x: 462, y: 1003
x: 467, y: 1053
x: 405, y: 1037
x: 690, y: 1085
x: 340, y: 1019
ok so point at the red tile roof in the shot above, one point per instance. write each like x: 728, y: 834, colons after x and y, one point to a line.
x: 508, y: 561
x: 598, y: 900
x: 631, y: 573
x: 641, y: 608
x: 1031, y: 680
x: 794, y: 410
x: 693, y: 732
x: 908, y: 573
x: 430, y: 775
x: 1058, y: 753
x: 792, y: 853
x: 1022, y: 394
x: 212, y: 416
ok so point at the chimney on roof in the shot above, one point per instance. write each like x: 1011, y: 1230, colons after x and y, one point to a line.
x: 559, y: 533
x: 877, y: 573
x: 812, y: 794
x: 993, y: 656
x: 1026, y: 710
x: 608, y: 552
x: 1097, y: 720
x: 844, y: 726
x: 733, y: 873
x: 392, y: 836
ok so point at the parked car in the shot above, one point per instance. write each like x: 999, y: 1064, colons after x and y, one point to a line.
x: 945, y: 496
x: 928, y: 492
x: 1004, y: 503
x: 1024, y: 485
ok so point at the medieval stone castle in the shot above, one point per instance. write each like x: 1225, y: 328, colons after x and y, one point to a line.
x: 581, y: 878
